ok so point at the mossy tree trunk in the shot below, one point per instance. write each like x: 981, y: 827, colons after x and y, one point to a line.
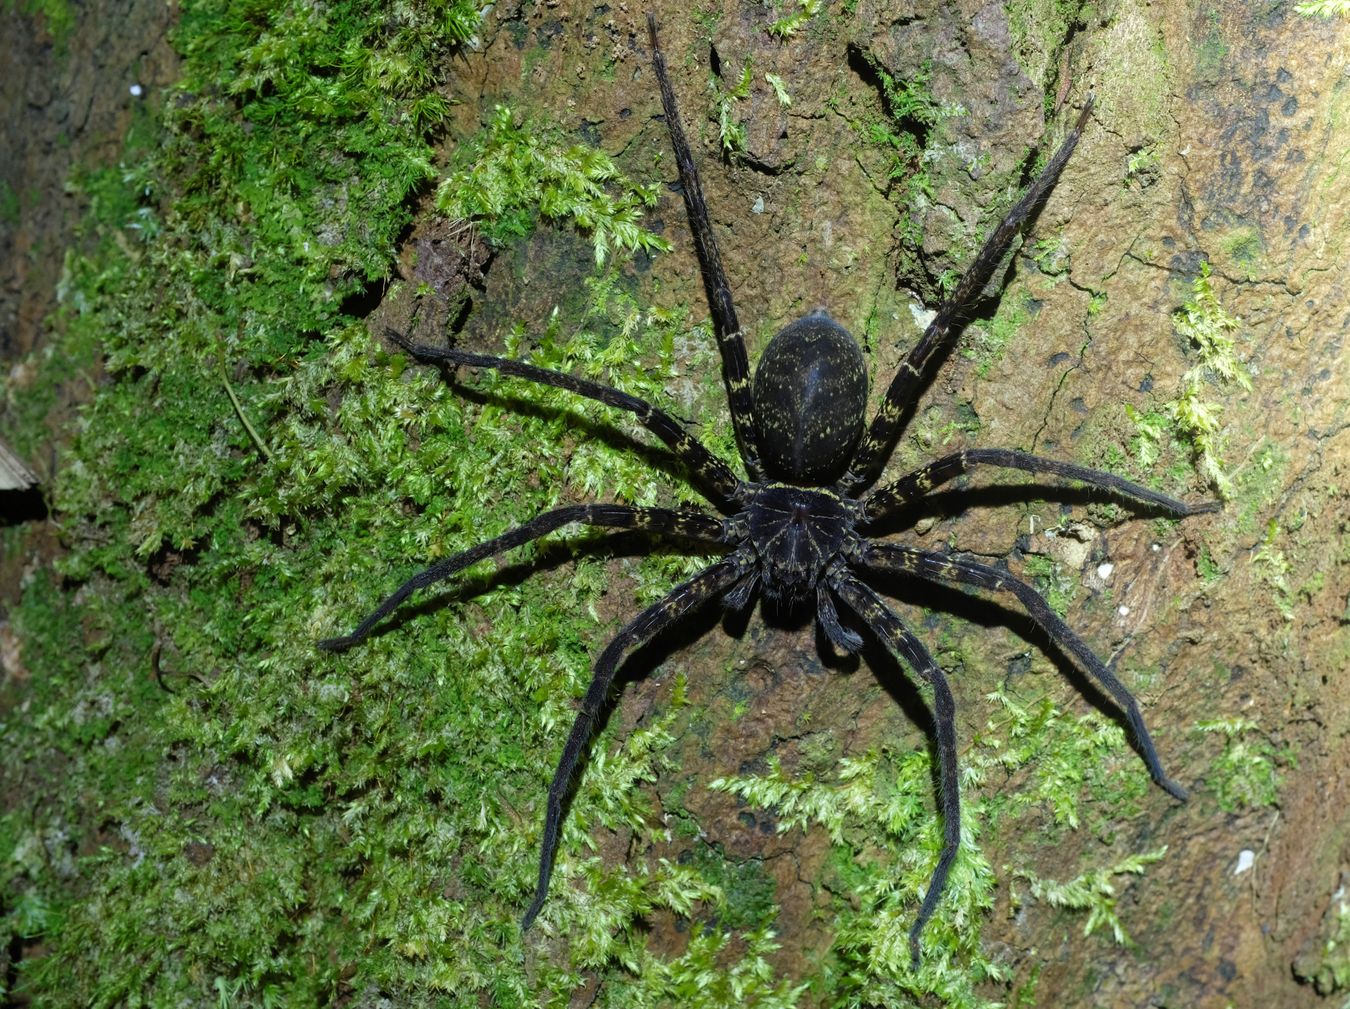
x: 1215, y: 140
x: 860, y: 166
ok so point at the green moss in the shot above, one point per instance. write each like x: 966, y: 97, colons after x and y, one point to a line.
x: 1325, y: 960
x: 900, y: 132
x: 1137, y: 75
x: 884, y: 844
x: 1274, y: 569
x: 10, y: 207
x: 1084, y: 774
x: 875, y: 811
x: 1258, y: 486
x: 1244, y: 246
x: 1207, y: 567
x: 707, y: 18
x: 747, y: 887
x: 790, y: 24
x: 1093, y: 892
x: 1143, y: 167
x: 1211, y: 48
x: 1243, y: 775
x: 56, y: 16
x: 1324, y: 8
x: 510, y: 175
x: 780, y: 91
x: 1039, y: 30
x: 1191, y: 420
x: 1054, y: 586
x: 731, y: 131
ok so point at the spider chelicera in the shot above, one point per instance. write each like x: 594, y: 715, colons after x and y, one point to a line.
x: 795, y: 530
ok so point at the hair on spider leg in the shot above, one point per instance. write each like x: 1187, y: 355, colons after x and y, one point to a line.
x: 794, y: 531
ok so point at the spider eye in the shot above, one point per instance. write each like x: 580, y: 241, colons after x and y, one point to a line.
x: 809, y: 396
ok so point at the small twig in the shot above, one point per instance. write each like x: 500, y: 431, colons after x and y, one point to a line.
x: 239, y: 409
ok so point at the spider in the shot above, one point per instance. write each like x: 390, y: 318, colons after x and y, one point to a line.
x: 795, y: 530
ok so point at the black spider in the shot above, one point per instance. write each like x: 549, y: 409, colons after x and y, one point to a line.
x: 794, y: 528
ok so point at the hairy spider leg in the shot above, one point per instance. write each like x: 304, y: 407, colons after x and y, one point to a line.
x: 709, y: 583
x: 874, y: 612
x: 876, y: 444
x: 708, y: 529
x: 713, y: 476
x: 906, y: 490
x: 730, y: 340
x: 948, y: 570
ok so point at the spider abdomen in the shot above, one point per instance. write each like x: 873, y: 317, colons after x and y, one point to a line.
x: 796, y: 532
x: 810, y: 395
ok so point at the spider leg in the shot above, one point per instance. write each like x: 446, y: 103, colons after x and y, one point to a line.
x: 909, y: 488
x: 692, y: 525
x: 875, y: 447
x: 730, y: 340
x: 681, y: 600
x: 900, y: 641
x: 948, y: 570
x: 714, y: 477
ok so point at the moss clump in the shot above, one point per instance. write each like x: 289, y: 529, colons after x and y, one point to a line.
x: 885, y: 843
x: 1324, y: 8
x: 1244, y: 775
x: 790, y: 24
x: 885, y: 838
x: 1054, y: 586
x: 985, y: 343
x: 510, y: 175
x: 1040, y: 29
x: 1093, y: 892
x: 1191, y: 419
x: 730, y: 131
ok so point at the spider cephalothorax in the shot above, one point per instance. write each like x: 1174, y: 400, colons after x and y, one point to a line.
x: 796, y: 529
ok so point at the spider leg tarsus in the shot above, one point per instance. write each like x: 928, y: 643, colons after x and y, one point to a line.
x: 1172, y: 788
x: 338, y: 644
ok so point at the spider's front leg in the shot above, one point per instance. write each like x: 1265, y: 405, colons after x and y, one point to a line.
x: 952, y: 570
x: 708, y: 584
x: 899, y: 640
x: 714, y: 477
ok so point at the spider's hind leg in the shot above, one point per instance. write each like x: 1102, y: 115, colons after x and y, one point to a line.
x: 946, y: 569
x: 730, y: 341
